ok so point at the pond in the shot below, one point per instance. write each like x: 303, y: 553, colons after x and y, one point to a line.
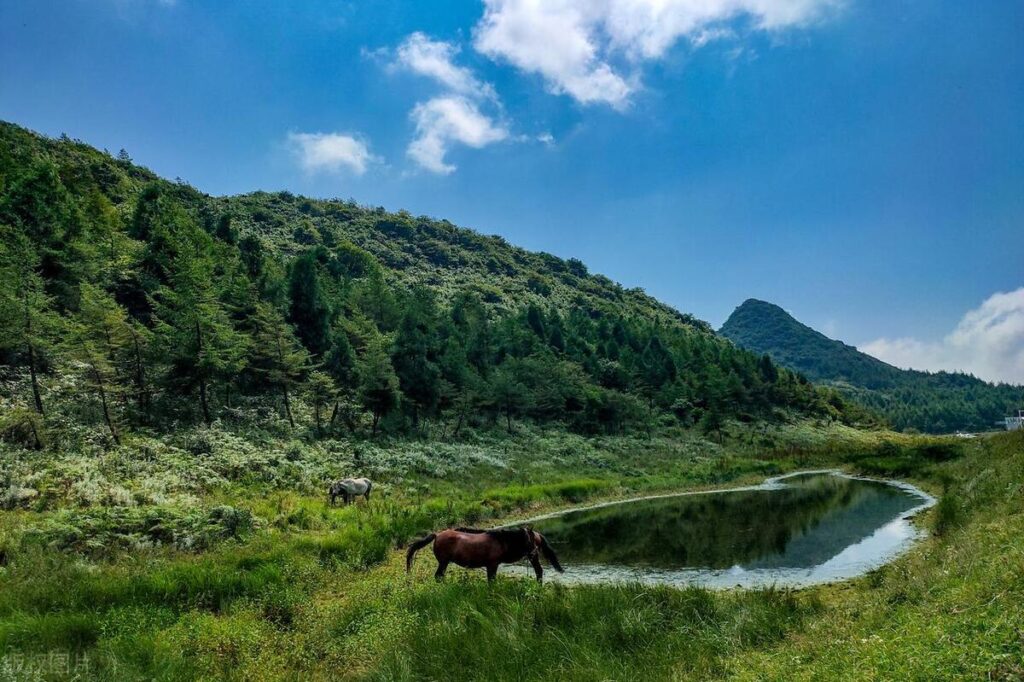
x: 797, y: 530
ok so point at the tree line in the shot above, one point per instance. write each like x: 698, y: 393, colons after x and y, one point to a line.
x: 144, y: 309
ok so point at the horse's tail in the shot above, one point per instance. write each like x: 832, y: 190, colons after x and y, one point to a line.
x: 415, y: 547
x: 549, y: 554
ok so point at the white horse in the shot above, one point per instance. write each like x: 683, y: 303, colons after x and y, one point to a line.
x: 348, y: 489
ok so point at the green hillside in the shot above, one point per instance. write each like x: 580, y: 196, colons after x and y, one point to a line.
x: 932, y: 402
x: 129, y: 301
x: 181, y: 375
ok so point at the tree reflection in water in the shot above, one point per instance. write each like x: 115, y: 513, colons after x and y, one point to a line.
x: 801, y: 524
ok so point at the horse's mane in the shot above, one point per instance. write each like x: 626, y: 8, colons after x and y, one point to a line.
x: 510, y: 537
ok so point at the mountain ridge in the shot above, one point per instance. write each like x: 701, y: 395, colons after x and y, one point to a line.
x: 910, y: 399
x: 174, y: 300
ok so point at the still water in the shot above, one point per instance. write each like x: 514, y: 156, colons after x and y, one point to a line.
x: 796, y: 530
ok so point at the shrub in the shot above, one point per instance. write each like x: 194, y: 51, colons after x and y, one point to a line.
x: 512, y: 497
x: 354, y: 546
x: 105, y: 530
x: 17, y: 496
x: 199, y: 442
x: 949, y: 513
x: 939, y: 450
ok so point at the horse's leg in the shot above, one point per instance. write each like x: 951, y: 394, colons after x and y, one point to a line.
x: 492, y: 570
x: 537, y: 568
x: 442, y: 566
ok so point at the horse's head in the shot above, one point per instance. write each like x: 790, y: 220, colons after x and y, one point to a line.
x: 530, y: 544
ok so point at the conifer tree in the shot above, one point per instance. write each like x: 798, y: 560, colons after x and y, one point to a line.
x: 322, y: 392
x: 372, y: 297
x: 378, y: 383
x: 98, y: 339
x: 28, y: 321
x: 38, y: 205
x: 414, y: 354
x: 278, y: 356
x: 196, y: 331
x: 309, y: 310
x: 507, y: 392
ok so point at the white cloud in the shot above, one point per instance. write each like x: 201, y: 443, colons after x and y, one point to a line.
x: 434, y: 59
x: 444, y: 120
x: 330, y: 152
x: 456, y: 116
x: 988, y: 342
x: 579, y: 48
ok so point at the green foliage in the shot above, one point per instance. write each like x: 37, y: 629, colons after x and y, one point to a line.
x: 577, y: 490
x: 893, y: 458
x: 322, y: 392
x: 949, y: 513
x: 193, y: 326
x: 310, y: 312
x: 378, y: 383
x: 29, y: 322
x: 192, y: 306
x: 279, y: 361
x: 106, y: 530
x: 166, y: 549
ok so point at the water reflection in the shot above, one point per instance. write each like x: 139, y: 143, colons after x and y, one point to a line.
x: 798, y: 530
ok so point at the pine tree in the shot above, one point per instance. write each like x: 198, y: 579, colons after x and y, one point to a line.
x: 341, y: 367
x: 507, y: 392
x: 309, y: 310
x: 378, y: 383
x: 96, y: 340
x: 195, y: 329
x: 29, y: 324
x: 322, y: 392
x: 109, y: 250
x: 278, y: 356
x: 374, y: 298
x: 414, y: 354
x: 38, y: 205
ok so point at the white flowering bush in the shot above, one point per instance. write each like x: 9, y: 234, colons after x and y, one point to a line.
x: 16, y: 496
x: 102, y: 531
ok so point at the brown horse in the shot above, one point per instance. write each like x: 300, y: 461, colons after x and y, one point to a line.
x: 476, y: 548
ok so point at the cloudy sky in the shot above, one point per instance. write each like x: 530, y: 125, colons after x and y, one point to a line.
x: 859, y: 162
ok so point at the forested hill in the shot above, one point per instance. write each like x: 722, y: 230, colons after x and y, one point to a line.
x: 766, y: 328
x: 933, y: 402
x: 128, y: 300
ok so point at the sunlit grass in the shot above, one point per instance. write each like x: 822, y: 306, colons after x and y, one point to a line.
x: 319, y: 592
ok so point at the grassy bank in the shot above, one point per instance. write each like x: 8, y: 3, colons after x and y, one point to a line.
x: 285, y: 587
x: 949, y: 610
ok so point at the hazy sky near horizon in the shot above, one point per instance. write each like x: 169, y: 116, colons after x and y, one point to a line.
x: 858, y: 162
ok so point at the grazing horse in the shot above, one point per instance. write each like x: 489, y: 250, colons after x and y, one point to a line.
x: 475, y: 548
x: 348, y: 489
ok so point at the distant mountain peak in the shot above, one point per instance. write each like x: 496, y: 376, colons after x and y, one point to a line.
x: 765, y: 327
x: 930, y: 402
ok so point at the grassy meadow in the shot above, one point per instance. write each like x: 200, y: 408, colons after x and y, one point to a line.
x: 215, y: 556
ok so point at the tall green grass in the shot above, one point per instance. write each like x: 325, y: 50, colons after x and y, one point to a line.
x: 515, y: 630
x: 319, y: 593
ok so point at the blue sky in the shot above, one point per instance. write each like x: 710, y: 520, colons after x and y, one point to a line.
x: 859, y: 162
